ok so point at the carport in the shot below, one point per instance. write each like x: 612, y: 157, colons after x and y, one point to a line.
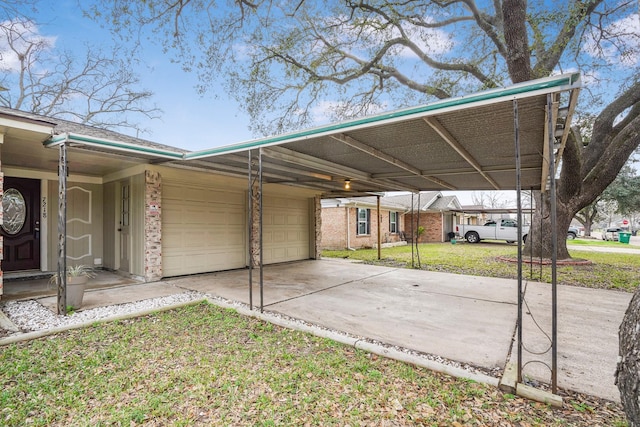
x: 502, y: 139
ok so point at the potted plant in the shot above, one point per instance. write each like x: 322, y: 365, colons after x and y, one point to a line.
x: 77, y: 277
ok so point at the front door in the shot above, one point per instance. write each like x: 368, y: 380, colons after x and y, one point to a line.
x: 21, y: 224
x: 123, y: 227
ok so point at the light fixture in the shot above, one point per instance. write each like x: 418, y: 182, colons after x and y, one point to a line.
x: 347, y: 184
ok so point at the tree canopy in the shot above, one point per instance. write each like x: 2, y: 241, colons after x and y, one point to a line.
x: 292, y: 64
x: 94, y: 87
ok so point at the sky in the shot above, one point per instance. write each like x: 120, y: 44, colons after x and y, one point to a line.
x: 189, y: 120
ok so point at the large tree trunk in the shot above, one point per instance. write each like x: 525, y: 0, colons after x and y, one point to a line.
x: 587, y: 170
x: 541, y: 232
x: 628, y: 372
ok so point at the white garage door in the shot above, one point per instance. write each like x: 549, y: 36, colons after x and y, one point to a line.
x: 285, y: 229
x: 203, y: 229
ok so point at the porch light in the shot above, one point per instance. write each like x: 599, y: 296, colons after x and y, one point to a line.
x: 347, y: 184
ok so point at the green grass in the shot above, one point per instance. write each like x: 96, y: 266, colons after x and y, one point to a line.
x: 607, y: 270
x: 596, y: 242
x: 203, y: 365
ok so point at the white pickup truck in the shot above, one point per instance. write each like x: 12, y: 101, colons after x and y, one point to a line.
x: 502, y: 229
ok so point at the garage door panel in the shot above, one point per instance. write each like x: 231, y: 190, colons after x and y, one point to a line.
x: 287, y: 227
x: 203, y: 229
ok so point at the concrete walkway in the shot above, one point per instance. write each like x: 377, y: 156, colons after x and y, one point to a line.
x: 467, y: 319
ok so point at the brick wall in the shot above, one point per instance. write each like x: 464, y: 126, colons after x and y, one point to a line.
x: 334, y: 229
x: 317, y: 216
x: 152, y: 226
x: 432, y: 223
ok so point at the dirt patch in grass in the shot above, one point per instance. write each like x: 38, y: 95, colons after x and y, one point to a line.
x: 202, y: 365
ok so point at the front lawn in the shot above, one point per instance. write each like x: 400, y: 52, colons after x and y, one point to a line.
x: 203, y: 365
x: 607, y: 271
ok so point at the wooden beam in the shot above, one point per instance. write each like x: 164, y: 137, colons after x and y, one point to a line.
x: 573, y: 101
x: 545, y: 149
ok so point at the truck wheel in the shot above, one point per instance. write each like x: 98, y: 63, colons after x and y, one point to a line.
x: 511, y: 241
x: 472, y: 237
x: 571, y: 236
x: 524, y: 239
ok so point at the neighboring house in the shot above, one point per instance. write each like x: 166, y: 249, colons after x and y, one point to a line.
x: 352, y: 222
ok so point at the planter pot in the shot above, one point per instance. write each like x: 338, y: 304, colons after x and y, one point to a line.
x: 75, y: 290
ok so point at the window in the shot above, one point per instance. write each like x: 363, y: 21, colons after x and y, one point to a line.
x: 364, y: 216
x: 393, y: 222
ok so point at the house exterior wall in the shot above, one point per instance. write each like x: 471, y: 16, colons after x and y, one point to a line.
x: 432, y: 223
x: 335, y: 229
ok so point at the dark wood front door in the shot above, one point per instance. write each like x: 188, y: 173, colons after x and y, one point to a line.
x: 21, y: 224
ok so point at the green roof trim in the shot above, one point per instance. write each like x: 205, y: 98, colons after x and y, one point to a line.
x: 113, y: 144
x: 567, y: 81
x: 546, y: 85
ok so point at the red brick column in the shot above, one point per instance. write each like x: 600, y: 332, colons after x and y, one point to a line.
x: 317, y: 215
x: 152, y: 226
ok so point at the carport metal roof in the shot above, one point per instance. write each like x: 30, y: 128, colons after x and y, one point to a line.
x: 464, y: 143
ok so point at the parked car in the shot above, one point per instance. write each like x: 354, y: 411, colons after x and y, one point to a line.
x: 503, y: 229
x: 611, y: 233
x: 572, y: 233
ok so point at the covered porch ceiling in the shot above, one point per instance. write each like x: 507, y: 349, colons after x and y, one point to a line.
x: 465, y: 143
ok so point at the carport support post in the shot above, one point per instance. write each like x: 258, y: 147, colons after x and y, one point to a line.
x: 261, y: 258
x: 412, y: 236
x: 516, y: 131
x: 554, y: 251
x: 255, y: 224
x: 62, y: 230
x: 379, y: 221
x: 250, y: 231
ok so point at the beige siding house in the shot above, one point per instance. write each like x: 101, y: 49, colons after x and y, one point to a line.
x: 138, y: 217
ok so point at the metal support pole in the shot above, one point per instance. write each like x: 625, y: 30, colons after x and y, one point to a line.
x: 554, y: 253
x: 530, y: 234
x: 379, y: 228
x: 412, y: 233
x: 62, y: 230
x: 516, y: 130
x: 418, y: 233
x: 250, y: 227
x: 261, y: 251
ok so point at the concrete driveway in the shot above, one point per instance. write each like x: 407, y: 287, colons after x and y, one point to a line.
x: 467, y: 319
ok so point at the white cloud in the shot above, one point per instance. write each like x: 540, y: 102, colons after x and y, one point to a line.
x: 329, y: 111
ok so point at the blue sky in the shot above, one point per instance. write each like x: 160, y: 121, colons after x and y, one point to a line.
x: 189, y: 120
